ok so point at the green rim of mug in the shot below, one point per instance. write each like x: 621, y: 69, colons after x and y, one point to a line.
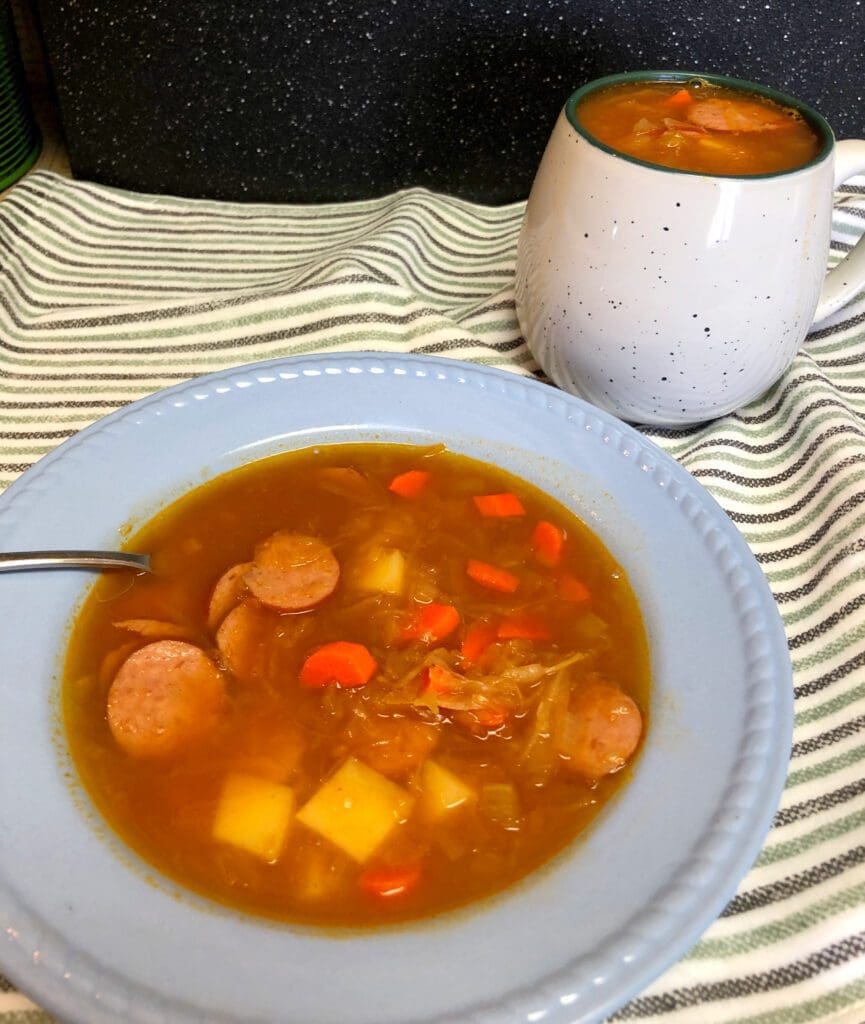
x: 22, y: 167
x: 16, y: 119
x: 814, y: 119
x: 12, y: 127
x: 16, y: 153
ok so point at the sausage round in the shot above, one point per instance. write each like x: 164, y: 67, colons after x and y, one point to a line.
x: 292, y: 572
x: 164, y: 697
x: 227, y: 591
x: 608, y: 731
x: 720, y: 115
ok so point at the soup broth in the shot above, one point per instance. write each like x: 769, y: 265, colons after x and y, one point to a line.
x: 365, y: 683
x: 699, y: 126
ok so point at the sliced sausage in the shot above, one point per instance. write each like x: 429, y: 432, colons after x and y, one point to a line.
x: 228, y: 590
x: 113, y: 660
x: 244, y: 640
x: 608, y: 727
x: 165, y: 697
x: 347, y: 482
x: 153, y: 629
x: 259, y: 646
x: 292, y: 572
x: 393, y: 746
x: 720, y: 115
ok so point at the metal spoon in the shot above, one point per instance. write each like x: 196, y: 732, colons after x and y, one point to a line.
x: 11, y: 561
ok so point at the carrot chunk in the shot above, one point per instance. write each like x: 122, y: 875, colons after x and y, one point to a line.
x: 572, y: 589
x: 491, y: 717
x: 387, y: 882
x: 340, y: 663
x: 499, y: 505
x: 482, y: 720
x: 438, y: 681
x: 409, y: 484
x: 523, y: 626
x: 431, y: 623
x: 491, y: 577
x: 478, y: 638
x: 548, y: 541
x: 679, y: 100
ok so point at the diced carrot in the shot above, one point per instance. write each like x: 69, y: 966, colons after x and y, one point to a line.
x: 387, y: 882
x: 491, y: 718
x: 478, y: 637
x: 499, y: 505
x: 679, y: 100
x: 432, y: 622
x: 340, y: 663
x: 491, y: 577
x: 572, y: 589
x: 438, y: 681
x: 482, y: 719
x: 548, y: 541
x: 410, y: 483
x: 523, y: 626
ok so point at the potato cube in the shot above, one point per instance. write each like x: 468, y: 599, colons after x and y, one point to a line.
x: 383, y: 571
x: 253, y: 814
x: 356, y: 809
x: 320, y: 874
x: 500, y: 802
x: 442, y: 791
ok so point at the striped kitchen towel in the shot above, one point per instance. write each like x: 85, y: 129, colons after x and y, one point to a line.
x: 106, y: 296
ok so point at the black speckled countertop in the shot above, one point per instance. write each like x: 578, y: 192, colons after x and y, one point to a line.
x: 295, y: 100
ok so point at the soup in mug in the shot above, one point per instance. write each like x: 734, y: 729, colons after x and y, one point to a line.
x: 698, y: 126
x: 364, y: 683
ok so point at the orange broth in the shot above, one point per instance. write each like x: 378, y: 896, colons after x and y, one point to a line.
x: 517, y: 800
x: 698, y: 126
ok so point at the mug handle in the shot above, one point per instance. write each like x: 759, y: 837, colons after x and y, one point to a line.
x: 848, y: 277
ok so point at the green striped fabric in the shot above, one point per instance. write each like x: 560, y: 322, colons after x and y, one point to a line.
x: 106, y: 296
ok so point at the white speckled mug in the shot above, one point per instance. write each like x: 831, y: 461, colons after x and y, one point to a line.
x: 671, y: 297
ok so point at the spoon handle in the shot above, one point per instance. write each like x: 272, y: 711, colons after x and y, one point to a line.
x: 13, y: 560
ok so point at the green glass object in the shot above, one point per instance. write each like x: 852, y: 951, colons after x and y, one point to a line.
x: 20, y: 141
